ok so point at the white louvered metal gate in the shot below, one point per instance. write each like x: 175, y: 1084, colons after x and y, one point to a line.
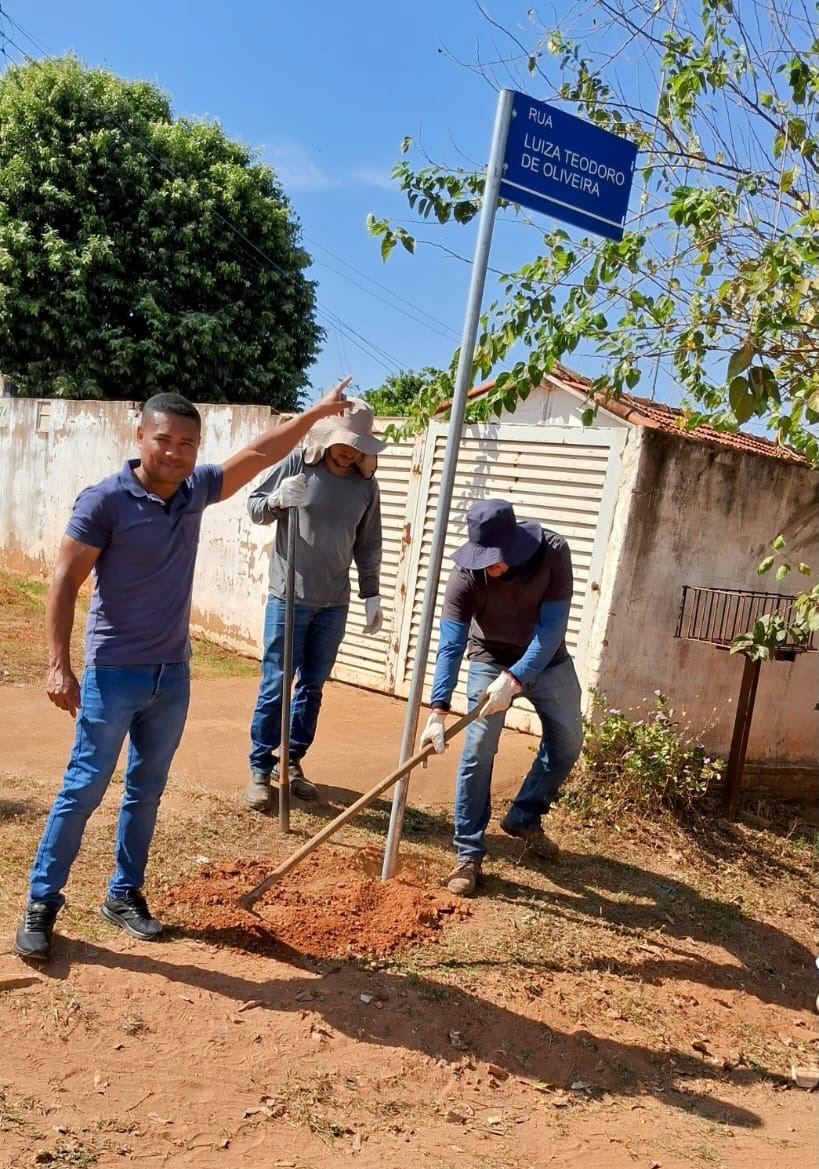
x: 565, y: 478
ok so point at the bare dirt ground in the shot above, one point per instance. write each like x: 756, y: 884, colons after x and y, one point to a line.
x: 640, y: 1004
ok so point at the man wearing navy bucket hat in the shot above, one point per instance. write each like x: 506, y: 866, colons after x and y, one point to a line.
x: 507, y: 606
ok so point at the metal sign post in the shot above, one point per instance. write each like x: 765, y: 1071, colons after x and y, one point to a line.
x: 463, y: 379
x: 550, y: 161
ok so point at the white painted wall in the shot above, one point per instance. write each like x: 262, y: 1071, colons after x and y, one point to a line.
x: 697, y: 514
x: 685, y: 512
x: 50, y: 450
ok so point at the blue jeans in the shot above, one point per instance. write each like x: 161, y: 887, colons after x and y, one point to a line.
x: 149, y: 704
x: 555, y: 695
x: 317, y: 634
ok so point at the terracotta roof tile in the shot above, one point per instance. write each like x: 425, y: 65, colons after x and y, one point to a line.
x: 644, y: 412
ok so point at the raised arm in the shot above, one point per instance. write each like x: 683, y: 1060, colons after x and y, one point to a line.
x: 272, y: 446
x: 74, y: 563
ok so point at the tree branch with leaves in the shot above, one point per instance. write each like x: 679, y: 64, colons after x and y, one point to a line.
x: 715, y: 287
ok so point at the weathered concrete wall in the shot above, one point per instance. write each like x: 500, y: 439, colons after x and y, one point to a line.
x: 50, y: 450
x: 686, y: 513
x: 694, y: 514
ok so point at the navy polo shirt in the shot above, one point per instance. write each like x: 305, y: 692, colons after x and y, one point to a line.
x: 140, y: 611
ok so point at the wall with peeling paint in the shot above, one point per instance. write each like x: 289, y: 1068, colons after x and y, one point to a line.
x: 691, y: 513
x: 686, y: 512
x: 50, y: 450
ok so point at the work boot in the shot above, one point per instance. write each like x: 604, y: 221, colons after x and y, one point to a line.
x: 33, y: 939
x: 300, y: 786
x: 464, y: 878
x: 257, y: 792
x: 533, y: 839
x: 131, y: 913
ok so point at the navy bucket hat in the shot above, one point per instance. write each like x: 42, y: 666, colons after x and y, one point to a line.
x: 496, y: 537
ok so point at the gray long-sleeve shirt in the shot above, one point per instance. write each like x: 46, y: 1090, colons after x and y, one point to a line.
x: 340, y: 523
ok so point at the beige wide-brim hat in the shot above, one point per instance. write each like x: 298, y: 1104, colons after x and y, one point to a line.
x: 352, y: 429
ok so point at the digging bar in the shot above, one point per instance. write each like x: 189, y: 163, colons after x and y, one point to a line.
x: 248, y: 900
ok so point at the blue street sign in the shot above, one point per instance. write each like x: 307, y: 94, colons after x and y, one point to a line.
x: 567, y: 168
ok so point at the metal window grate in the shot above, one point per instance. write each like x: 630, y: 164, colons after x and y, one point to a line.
x: 717, y: 616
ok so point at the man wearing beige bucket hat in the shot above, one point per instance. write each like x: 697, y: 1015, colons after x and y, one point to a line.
x: 330, y: 481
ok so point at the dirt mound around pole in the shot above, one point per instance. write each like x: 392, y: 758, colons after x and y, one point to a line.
x: 330, y: 906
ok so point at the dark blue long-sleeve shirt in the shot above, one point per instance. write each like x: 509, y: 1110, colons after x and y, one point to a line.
x: 517, y: 621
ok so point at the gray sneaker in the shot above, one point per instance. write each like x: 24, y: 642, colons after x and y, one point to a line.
x: 131, y: 913
x: 257, y: 793
x: 300, y: 786
x: 534, y: 840
x: 464, y: 879
x: 34, y: 936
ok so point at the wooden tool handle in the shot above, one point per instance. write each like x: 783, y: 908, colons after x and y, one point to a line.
x: 248, y: 900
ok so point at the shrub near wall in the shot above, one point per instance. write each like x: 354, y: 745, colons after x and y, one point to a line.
x: 640, y: 761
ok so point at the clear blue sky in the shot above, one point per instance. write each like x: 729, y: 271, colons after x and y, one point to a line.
x: 327, y: 91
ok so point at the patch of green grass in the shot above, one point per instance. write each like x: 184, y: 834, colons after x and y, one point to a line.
x: 638, y: 1007
x: 68, y: 1153
x: 23, y: 646
x: 308, y: 1105
x: 809, y: 844
x: 427, y: 822
x: 211, y: 661
x: 431, y: 992
x: 13, y: 1112
x: 25, y: 593
x: 132, y: 1025
x: 705, y: 1153
x: 390, y: 1108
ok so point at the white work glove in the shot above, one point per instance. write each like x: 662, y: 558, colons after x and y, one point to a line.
x: 373, y: 615
x: 500, y: 694
x: 433, y: 733
x: 291, y: 492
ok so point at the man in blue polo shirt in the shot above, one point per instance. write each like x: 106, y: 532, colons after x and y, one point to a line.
x: 507, y: 605
x: 138, y: 531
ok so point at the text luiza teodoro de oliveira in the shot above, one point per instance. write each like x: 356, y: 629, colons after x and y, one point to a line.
x: 543, y: 157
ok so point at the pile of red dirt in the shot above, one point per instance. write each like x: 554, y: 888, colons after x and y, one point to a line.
x: 329, y: 906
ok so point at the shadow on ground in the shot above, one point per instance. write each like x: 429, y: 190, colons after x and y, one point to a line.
x: 421, y: 1012
x: 593, y: 888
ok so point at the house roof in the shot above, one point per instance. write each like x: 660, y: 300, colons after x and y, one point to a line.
x: 657, y: 416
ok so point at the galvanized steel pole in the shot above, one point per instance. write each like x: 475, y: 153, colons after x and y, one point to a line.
x: 494, y: 174
x: 287, y: 669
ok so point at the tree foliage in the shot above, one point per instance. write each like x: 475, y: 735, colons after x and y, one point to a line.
x: 794, y: 623
x: 409, y: 390
x: 715, y: 286
x: 134, y: 249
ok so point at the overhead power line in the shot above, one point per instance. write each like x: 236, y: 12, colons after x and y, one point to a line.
x: 416, y: 315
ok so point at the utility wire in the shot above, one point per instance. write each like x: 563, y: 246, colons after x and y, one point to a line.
x: 435, y: 324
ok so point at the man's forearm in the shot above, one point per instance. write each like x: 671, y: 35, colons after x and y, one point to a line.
x: 549, y: 633
x: 451, y: 646
x: 61, y: 608
x: 277, y: 442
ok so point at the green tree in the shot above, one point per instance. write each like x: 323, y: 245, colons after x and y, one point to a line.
x: 133, y: 249
x: 409, y: 390
x: 715, y: 287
